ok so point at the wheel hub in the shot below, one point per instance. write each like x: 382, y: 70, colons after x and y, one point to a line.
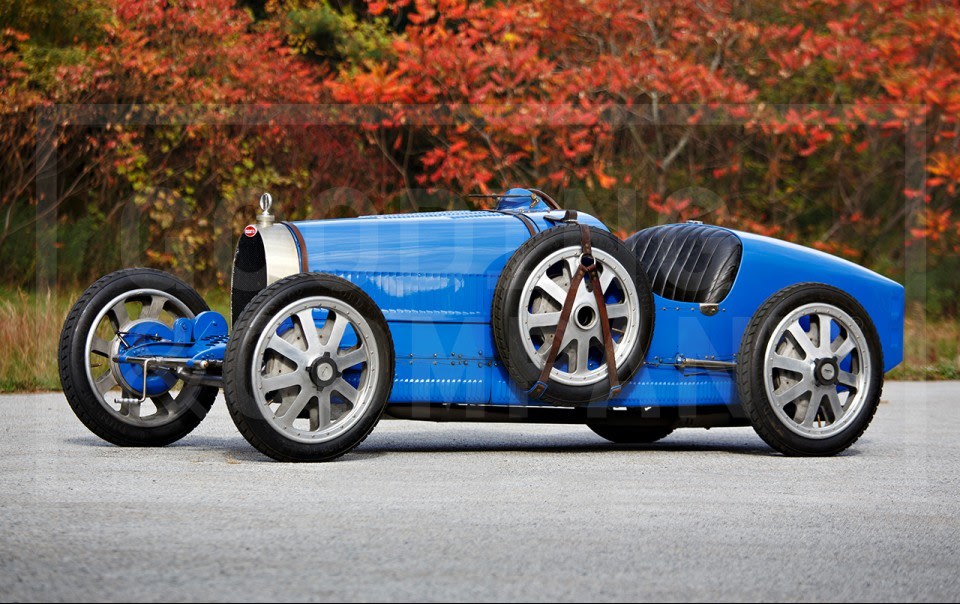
x: 825, y: 371
x: 586, y: 317
x: 324, y: 372
x: 817, y: 370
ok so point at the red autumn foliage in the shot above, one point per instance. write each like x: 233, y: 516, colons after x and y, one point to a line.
x: 828, y: 122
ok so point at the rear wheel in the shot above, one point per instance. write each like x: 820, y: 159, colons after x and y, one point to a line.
x: 810, y: 370
x: 309, y: 368
x: 120, y: 309
x: 631, y: 435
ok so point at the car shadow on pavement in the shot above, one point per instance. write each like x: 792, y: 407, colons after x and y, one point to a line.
x: 377, y: 445
x: 234, y: 449
x: 496, y: 442
x: 599, y: 448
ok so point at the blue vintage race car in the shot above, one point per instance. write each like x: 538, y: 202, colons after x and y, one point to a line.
x: 526, y: 313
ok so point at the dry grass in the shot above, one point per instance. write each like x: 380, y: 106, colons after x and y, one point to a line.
x: 30, y: 329
x: 30, y: 326
x: 931, y: 349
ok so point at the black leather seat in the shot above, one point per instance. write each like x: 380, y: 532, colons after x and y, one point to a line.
x: 688, y: 262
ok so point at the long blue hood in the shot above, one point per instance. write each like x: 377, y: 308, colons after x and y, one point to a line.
x: 438, y: 266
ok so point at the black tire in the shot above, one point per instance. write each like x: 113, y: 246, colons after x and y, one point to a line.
x: 250, y: 416
x: 751, y: 378
x: 507, y: 303
x: 86, y: 402
x: 631, y: 435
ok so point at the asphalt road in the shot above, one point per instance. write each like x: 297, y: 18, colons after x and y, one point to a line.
x: 481, y: 512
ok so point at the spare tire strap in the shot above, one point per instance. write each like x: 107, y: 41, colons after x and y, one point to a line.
x: 607, y: 335
x: 588, y: 264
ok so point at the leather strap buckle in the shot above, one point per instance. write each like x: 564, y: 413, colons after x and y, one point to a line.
x: 537, y: 390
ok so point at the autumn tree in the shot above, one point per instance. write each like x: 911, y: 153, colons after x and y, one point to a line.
x: 833, y: 123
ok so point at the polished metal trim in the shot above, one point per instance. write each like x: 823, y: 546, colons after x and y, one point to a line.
x: 280, y: 250
x: 711, y: 364
x: 301, y: 245
x: 709, y: 309
x: 265, y: 218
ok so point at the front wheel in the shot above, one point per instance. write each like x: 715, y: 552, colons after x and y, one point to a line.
x: 122, y: 309
x: 810, y: 370
x: 309, y: 368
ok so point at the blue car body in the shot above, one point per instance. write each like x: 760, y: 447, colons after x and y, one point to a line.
x: 433, y: 276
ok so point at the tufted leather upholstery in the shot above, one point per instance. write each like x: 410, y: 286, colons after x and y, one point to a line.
x: 688, y: 262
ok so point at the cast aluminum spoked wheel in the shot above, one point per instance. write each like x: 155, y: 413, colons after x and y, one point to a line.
x: 810, y: 370
x: 316, y: 358
x: 580, y: 360
x: 128, y: 308
x: 309, y: 368
x: 527, y: 304
x: 130, y: 318
x: 816, y: 370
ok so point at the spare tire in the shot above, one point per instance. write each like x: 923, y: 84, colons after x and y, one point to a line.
x: 526, y: 310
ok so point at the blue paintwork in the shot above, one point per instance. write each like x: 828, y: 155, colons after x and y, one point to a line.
x: 203, y: 338
x: 433, y: 275
x: 140, y: 335
x: 771, y: 264
x: 431, y: 267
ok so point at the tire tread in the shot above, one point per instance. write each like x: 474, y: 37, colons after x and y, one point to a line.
x: 753, y: 399
x: 68, y: 381
x: 232, y: 379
